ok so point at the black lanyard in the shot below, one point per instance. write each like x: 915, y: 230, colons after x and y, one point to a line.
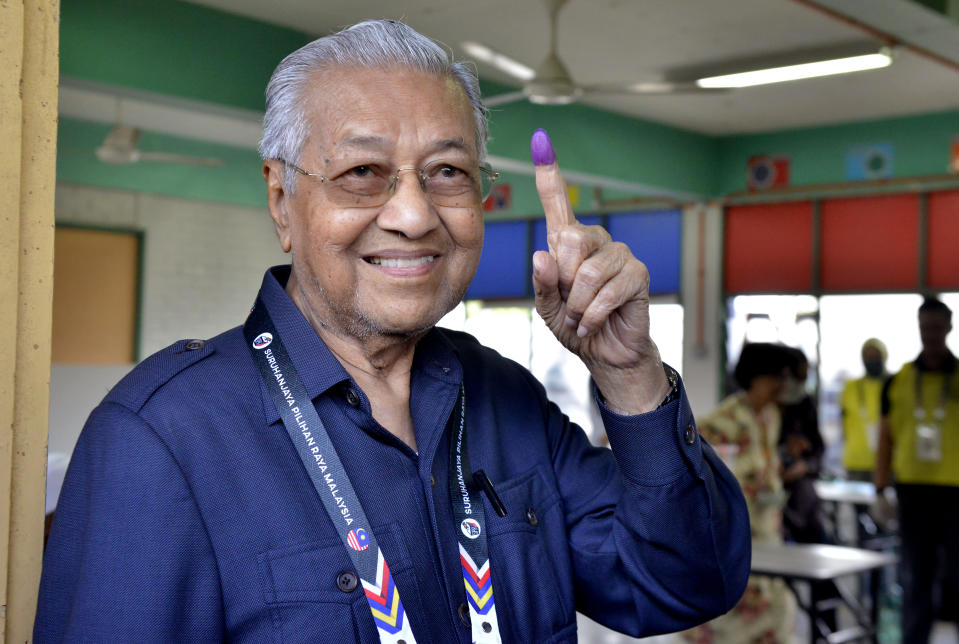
x: 329, y: 477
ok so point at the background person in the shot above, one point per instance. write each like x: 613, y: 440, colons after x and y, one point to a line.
x: 860, y: 404
x: 203, y: 503
x: 919, y: 448
x: 745, y: 428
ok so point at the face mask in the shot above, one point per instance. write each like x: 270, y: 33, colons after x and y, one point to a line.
x: 874, y: 368
x: 793, y: 391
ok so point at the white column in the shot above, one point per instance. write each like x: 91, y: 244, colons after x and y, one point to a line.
x: 704, y: 356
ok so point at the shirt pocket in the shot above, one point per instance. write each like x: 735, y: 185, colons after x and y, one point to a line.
x: 313, y: 593
x: 531, y: 568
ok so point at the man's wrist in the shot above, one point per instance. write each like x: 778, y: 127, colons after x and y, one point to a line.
x: 633, y: 407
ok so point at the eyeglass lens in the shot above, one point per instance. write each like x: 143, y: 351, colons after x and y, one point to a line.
x: 446, y: 184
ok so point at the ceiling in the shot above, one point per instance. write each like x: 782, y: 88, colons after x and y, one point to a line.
x: 609, y: 41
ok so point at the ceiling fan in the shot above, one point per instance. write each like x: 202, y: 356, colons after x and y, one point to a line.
x: 551, y: 84
x: 120, y: 147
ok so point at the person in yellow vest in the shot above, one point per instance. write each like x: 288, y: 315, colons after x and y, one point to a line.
x: 919, y: 445
x: 860, y: 404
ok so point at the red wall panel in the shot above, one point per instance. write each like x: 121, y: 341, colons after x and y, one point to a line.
x: 870, y: 243
x: 768, y: 248
x: 943, y: 240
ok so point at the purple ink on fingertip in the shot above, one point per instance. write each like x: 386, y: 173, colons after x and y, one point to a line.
x: 542, y: 148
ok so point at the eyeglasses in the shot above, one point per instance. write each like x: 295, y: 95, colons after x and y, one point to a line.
x: 370, y: 186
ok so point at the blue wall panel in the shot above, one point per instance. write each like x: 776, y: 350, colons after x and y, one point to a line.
x: 504, y: 269
x: 655, y: 238
x: 539, y: 230
x: 504, y: 266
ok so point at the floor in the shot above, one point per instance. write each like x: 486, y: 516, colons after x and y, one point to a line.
x: 592, y: 633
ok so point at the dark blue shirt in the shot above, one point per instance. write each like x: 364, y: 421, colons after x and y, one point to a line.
x: 186, y: 514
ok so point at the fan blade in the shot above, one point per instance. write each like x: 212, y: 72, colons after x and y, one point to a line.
x: 120, y: 145
x: 502, y: 99
x: 164, y: 157
x: 649, y: 88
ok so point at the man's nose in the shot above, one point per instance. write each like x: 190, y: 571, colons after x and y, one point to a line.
x: 409, y: 211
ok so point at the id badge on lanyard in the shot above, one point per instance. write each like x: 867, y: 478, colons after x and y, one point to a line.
x: 929, y: 436
x: 871, y: 428
x: 929, y: 430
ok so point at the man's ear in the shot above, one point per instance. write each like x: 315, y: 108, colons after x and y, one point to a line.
x: 279, y: 203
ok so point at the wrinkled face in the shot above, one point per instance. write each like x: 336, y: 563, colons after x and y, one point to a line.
x: 393, y: 269
x: 933, y: 329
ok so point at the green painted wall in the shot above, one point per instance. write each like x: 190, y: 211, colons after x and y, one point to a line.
x: 181, y: 49
x: 239, y: 181
x: 177, y: 48
x: 818, y: 155
x: 172, y: 47
x: 607, y: 144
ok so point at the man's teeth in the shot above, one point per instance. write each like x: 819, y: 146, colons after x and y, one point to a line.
x: 405, y: 262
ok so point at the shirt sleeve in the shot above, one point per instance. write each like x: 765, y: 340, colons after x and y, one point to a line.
x: 127, y: 544
x: 664, y: 543
x: 886, y: 405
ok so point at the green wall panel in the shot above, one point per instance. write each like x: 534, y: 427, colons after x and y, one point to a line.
x: 818, y: 155
x: 171, y: 47
x: 607, y: 144
x: 181, y: 49
x: 239, y: 181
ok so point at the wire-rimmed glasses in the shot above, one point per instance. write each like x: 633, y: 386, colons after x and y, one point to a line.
x: 446, y: 183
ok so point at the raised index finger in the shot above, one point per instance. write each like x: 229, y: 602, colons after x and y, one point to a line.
x: 550, y: 185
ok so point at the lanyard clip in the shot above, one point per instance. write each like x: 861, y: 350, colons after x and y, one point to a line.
x: 487, y: 486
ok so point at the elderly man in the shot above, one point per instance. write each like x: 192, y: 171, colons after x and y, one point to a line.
x: 339, y: 470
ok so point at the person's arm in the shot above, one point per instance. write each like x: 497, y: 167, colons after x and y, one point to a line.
x: 817, y: 446
x: 658, y: 530
x: 128, y: 558
x: 882, y: 476
x: 664, y: 543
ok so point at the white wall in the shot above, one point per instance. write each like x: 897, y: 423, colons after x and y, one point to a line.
x: 202, y: 266
x: 203, y: 262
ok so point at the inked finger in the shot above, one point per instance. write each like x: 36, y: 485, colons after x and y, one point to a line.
x: 550, y: 185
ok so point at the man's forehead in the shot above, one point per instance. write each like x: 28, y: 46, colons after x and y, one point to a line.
x: 361, y: 109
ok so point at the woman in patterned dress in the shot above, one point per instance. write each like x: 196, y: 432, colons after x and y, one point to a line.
x: 744, y: 430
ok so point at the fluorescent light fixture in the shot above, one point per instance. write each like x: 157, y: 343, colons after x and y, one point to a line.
x: 799, y: 72
x: 499, y: 61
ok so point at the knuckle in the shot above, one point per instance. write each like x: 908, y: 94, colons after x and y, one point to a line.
x: 591, y: 274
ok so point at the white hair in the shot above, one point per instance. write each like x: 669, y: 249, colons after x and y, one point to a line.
x: 378, y: 44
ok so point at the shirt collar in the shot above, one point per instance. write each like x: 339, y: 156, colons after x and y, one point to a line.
x: 318, y: 369
x: 949, y: 364
x: 316, y: 366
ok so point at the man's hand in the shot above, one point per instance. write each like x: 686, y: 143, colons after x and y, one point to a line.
x: 594, y: 296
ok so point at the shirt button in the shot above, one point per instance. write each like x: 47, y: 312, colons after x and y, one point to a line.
x: 690, y: 434
x: 194, y: 345
x: 351, y: 398
x: 464, y: 612
x: 531, y: 517
x: 347, y: 582
x: 432, y: 480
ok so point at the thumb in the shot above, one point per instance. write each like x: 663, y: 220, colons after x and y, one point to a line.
x: 549, y: 304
